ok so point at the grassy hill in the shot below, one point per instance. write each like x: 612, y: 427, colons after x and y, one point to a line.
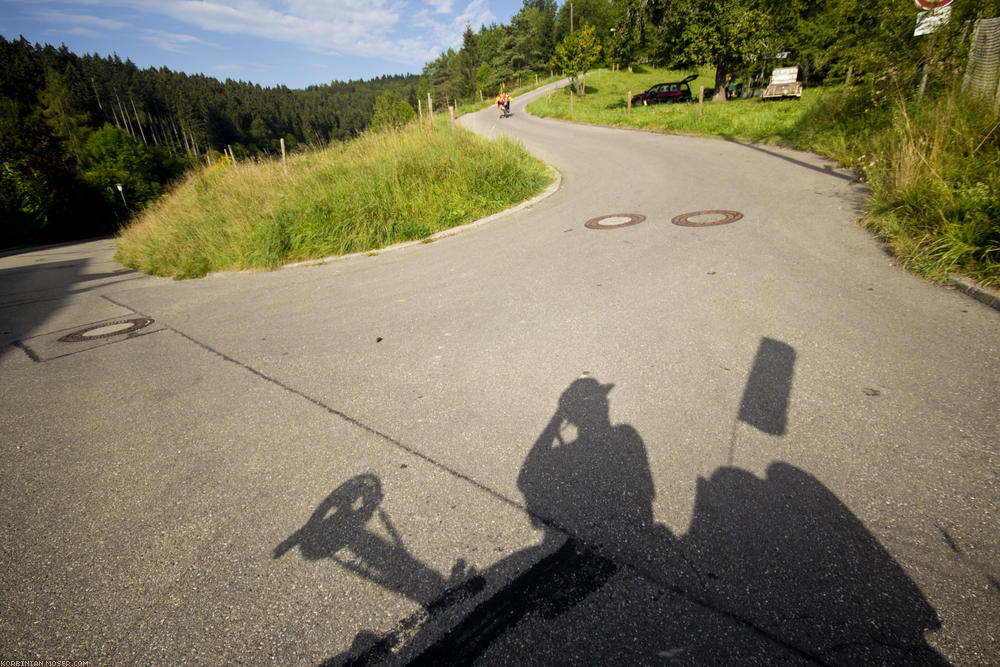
x: 380, y: 189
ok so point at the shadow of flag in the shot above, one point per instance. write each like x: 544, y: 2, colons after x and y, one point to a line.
x: 765, y: 398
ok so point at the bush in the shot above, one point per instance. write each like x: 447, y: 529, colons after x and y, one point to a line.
x: 391, y: 111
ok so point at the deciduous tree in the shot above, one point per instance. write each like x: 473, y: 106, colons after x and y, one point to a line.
x: 391, y: 111
x: 577, y: 53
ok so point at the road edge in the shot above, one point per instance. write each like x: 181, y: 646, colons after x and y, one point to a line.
x: 978, y: 292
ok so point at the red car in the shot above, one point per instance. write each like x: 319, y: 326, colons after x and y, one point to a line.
x: 676, y: 91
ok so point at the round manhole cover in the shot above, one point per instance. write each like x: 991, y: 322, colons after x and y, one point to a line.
x: 107, y: 330
x: 614, y: 221
x: 707, y: 218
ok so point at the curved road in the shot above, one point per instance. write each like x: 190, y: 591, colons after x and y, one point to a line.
x: 530, y: 442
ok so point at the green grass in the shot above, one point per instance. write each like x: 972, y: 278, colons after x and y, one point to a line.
x: 606, y: 103
x: 934, y: 170
x: 933, y: 166
x: 375, y: 191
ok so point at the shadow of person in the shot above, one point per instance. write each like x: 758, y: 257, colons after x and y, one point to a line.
x: 597, y: 483
x: 584, y: 481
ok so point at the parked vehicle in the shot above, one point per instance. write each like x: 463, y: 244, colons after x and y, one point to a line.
x: 784, y: 83
x: 676, y: 91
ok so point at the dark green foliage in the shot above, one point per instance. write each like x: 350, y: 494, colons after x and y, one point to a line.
x: 391, y: 111
x: 115, y: 158
x: 501, y: 54
x: 869, y: 38
x: 598, y: 13
x: 63, y: 116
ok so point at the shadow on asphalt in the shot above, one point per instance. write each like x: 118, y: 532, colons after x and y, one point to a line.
x: 31, y: 294
x: 769, y: 569
x: 828, y: 170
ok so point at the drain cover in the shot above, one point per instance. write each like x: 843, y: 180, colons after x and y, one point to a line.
x: 614, y: 221
x: 107, y: 330
x: 707, y: 218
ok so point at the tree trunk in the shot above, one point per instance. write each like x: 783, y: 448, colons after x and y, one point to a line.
x: 721, y: 76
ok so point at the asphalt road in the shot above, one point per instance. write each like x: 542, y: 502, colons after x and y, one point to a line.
x: 528, y: 443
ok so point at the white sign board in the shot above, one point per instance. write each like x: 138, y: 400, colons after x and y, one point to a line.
x: 784, y: 75
x: 928, y: 22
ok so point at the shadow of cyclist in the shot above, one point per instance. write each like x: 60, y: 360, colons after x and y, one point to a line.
x: 778, y: 564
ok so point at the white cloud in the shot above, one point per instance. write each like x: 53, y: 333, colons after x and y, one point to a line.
x: 78, y: 21
x: 82, y: 32
x: 441, y: 6
x: 409, y: 32
x: 359, y: 27
x: 477, y: 13
x: 171, y: 41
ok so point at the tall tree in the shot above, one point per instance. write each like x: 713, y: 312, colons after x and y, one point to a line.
x: 466, y: 65
x: 60, y: 112
x: 533, y: 30
x: 726, y: 34
x: 598, y: 13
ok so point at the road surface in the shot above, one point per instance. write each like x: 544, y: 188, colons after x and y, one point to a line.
x: 533, y: 442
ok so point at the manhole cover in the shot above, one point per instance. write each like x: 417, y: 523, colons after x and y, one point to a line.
x: 614, y: 221
x: 707, y: 218
x: 107, y: 330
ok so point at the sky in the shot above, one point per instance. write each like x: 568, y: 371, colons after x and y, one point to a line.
x: 295, y: 43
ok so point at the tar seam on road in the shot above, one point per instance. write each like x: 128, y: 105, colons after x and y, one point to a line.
x: 691, y: 596
x: 349, y: 419
x: 28, y: 351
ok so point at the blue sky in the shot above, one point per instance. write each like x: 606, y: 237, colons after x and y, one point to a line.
x: 271, y: 42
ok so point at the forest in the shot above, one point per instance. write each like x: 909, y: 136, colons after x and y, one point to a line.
x: 73, y: 127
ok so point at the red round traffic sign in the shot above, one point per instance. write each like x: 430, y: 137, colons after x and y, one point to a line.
x: 933, y: 4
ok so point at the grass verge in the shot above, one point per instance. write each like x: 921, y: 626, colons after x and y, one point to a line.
x: 933, y: 166
x: 366, y: 194
x: 934, y: 172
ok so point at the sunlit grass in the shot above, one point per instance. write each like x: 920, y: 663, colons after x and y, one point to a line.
x: 366, y: 194
x: 606, y: 103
